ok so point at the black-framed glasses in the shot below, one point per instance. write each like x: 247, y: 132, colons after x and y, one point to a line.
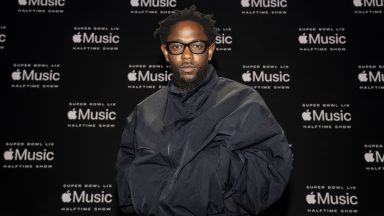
x: 196, y: 47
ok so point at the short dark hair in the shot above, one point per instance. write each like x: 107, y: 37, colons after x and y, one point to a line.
x: 187, y: 14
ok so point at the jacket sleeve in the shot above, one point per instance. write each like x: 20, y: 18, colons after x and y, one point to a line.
x: 260, y: 159
x: 125, y: 156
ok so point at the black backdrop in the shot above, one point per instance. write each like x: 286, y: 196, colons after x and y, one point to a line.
x: 71, y: 71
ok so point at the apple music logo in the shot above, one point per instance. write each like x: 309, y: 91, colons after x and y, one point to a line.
x: 36, y: 75
x: 60, y: 3
x: 153, y: 3
x: 370, y: 77
x: 264, y: 3
x: 96, y: 38
x: 41, y: 6
x: 368, y: 6
x: 151, y: 76
x: 148, y: 76
x: 264, y: 7
x: 322, y: 39
x: 373, y: 157
x: 262, y: 76
x: 322, y: 115
x: 88, y: 114
x: 33, y: 75
x: 147, y: 7
x: 368, y: 3
x: 267, y: 77
x: 332, y: 199
x: 86, y: 198
x: 91, y: 115
x: 326, y: 116
x: 28, y: 155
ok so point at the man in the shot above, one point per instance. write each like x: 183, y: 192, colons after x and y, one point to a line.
x: 203, y: 145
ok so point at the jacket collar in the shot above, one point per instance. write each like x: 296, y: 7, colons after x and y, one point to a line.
x: 208, y: 82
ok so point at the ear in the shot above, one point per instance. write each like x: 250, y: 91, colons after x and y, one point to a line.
x: 165, y: 52
x: 211, y: 50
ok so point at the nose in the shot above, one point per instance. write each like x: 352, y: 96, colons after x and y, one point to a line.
x: 187, y: 54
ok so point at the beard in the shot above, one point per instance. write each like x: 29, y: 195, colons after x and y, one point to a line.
x: 187, y: 85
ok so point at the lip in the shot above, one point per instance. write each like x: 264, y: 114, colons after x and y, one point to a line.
x: 187, y: 68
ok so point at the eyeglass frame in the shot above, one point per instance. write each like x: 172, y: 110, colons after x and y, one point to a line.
x: 207, y: 45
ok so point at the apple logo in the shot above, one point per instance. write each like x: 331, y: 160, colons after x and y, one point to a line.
x: 72, y: 114
x: 306, y: 116
x: 369, y: 157
x: 76, y: 38
x: 303, y: 39
x: 132, y: 76
x: 246, y: 77
x: 66, y: 197
x: 135, y: 3
x: 310, y: 198
x: 16, y: 75
x: 363, y: 77
x: 357, y: 3
x: 22, y: 2
x: 8, y: 155
x: 245, y: 3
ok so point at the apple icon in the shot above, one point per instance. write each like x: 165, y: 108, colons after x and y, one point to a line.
x: 311, y: 198
x: 16, y: 75
x: 246, y: 77
x: 8, y: 155
x: 357, y: 3
x: 132, y: 76
x: 306, y: 116
x: 303, y: 39
x: 76, y: 38
x: 66, y: 197
x: 135, y: 3
x: 22, y: 2
x: 363, y: 77
x: 369, y: 157
x: 245, y: 3
x: 72, y: 114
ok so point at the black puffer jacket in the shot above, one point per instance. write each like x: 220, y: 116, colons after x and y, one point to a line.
x: 216, y: 150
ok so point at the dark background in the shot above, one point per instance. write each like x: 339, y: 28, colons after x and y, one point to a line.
x: 323, y: 157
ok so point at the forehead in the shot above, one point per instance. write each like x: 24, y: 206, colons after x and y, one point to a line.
x: 186, y: 31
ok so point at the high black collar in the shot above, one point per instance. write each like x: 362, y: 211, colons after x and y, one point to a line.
x: 208, y: 82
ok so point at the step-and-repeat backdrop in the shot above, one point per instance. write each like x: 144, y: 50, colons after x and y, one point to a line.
x: 72, y: 71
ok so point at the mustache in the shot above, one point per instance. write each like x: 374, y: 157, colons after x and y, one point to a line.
x: 187, y: 65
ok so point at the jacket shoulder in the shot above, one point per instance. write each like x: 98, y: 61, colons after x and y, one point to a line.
x: 155, y: 98
x: 152, y: 104
x: 237, y: 89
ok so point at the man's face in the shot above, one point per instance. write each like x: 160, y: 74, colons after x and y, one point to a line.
x: 187, y: 66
